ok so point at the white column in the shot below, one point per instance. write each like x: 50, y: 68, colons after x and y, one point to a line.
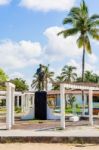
x: 18, y: 101
x: 12, y: 105
x: 8, y: 106
x: 62, y: 102
x: 26, y: 101
x: 84, y: 104
x: 91, y: 107
x: 22, y: 102
x: 33, y: 107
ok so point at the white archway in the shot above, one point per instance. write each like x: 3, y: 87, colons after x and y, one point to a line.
x: 80, y: 87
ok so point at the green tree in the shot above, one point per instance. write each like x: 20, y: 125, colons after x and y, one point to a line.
x: 20, y: 84
x: 58, y: 79
x: 68, y: 73
x: 71, y: 99
x: 96, y: 78
x: 3, y: 78
x: 89, y: 77
x: 48, y: 76
x: 35, y: 82
x: 85, y: 26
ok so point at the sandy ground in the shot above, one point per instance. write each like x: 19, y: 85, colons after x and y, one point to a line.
x: 37, y: 146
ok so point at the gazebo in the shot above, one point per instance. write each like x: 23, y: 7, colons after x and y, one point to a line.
x: 77, y: 86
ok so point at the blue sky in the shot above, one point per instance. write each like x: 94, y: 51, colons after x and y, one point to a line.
x: 28, y: 30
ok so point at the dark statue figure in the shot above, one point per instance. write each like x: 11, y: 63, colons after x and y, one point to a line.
x: 41, y: 74
x: 41, y: 95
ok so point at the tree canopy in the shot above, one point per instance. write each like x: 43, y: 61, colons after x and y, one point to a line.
x: 20, y: 84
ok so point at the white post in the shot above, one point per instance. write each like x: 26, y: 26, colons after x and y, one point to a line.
x: 27, y: 102
x: 84, y: 100
x: 22, y: 102
x: 62, y: 102
x: 91, y: 107
x: 8, y: 106
x: 12, y: 105
x: 18, y: 101
x: 33, y: 106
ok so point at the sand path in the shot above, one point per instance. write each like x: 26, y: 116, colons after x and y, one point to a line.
x: 37, y: 146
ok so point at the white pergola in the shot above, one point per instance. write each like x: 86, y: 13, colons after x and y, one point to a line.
x: 80, y: 87
x: 9, y: 95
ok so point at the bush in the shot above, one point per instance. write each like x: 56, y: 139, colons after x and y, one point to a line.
x: 18, y: 109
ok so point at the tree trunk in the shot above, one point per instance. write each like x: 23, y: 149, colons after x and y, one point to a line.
x: 83, y: 71
x: 83, y: 64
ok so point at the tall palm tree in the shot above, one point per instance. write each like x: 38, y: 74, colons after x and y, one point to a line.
x: 85, y: 26
x: 68, y: 73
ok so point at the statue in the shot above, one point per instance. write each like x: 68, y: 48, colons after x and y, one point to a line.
x: 41, y: 75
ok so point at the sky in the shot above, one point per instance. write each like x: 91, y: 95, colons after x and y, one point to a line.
x: 28, y: 37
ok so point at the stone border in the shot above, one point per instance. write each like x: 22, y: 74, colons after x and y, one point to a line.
x: 73, y: 140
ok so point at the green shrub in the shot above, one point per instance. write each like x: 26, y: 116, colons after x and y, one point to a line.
x: 18, y: 109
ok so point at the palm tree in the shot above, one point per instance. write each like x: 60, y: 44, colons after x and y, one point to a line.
x: 96, y: 78
x: 57, y: 80
x: 84, y: 26
x: 35, y: 82
x: 48, y: 76
x: 68, y: 73
x: 89, y: 77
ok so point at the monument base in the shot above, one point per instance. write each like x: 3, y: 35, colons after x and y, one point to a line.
x: 41, y: 105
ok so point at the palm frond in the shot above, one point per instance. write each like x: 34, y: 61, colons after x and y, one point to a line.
x: 96, y: 23
x: 94, y: 17
x: 68, y: 32
x: 67, y: 20
x: 80, y: 41
x: 75, y: 13
x: 94, y: 33
x: 87, y: 45
x: 84, y: 9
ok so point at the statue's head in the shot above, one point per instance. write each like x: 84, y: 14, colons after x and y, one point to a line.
x: 40, y: 65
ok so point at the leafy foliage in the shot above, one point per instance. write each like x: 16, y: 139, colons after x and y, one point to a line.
x: 20, y: 84
x: 3, y: 78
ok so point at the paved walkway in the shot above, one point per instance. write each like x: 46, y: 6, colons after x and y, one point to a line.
x: 68, y: 132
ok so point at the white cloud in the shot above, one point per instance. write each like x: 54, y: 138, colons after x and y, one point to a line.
x: 47, y: 5
x: 20, y: 54
x: 92, y: 59
x: 16, y: 75
x: 78, y: 65
x: 74, y: 63
x: 4, y: 2
x: 58, y: 47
